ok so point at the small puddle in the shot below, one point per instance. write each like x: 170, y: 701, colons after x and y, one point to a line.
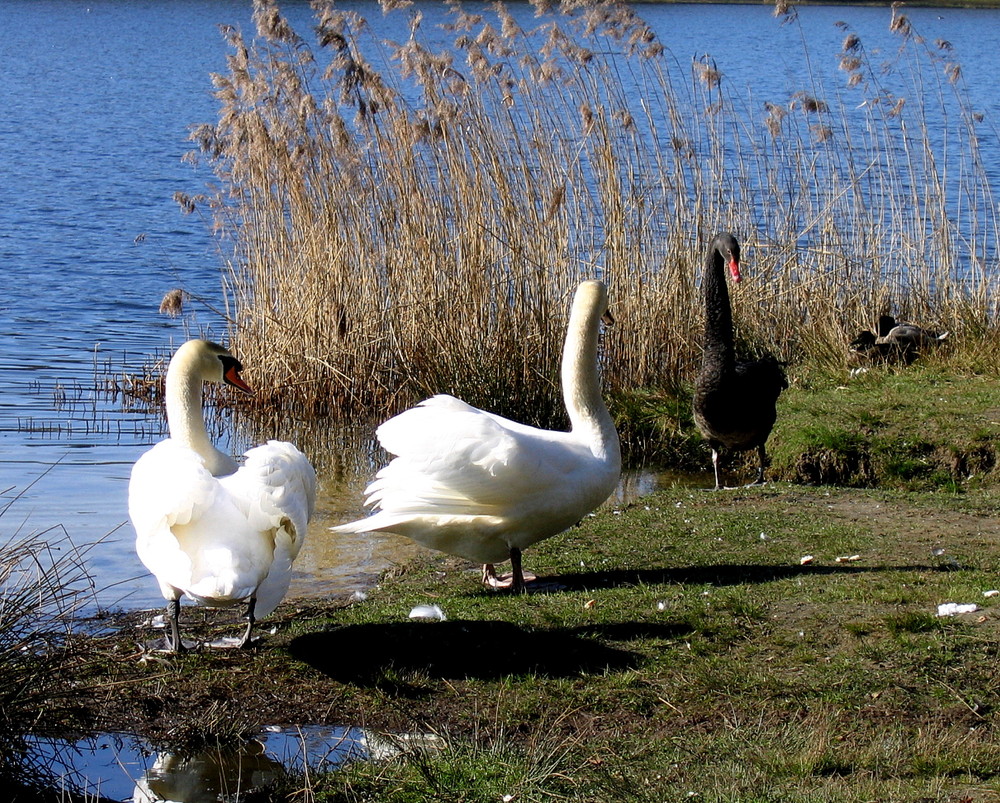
x: 124, y: 767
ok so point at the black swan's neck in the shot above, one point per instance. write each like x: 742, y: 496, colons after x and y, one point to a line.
x: 719, y: 352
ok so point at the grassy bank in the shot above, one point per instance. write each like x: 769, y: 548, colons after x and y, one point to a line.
x: 678, y: 645
x: 767, y: 644
x: 928, y: 428
x: 932, y: 425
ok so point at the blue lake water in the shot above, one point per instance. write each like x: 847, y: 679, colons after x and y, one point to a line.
x: 98, y: 98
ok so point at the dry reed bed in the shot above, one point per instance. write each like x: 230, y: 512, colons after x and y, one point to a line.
x: 406, y: 219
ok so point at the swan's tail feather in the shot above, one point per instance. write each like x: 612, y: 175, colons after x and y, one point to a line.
x: 399, y: 521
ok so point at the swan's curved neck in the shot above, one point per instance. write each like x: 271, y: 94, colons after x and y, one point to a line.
x: 719, y: 352
x: 588, y: 415
x: 186, y: 421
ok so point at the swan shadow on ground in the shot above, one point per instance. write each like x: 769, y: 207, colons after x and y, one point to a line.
x: 719, y: 575
x: 374, y: 654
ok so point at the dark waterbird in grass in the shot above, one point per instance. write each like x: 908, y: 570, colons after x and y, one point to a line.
x: 895, y: 342
x: 734, y: 402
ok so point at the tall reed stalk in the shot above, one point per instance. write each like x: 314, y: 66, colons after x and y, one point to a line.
x: 409, y: 218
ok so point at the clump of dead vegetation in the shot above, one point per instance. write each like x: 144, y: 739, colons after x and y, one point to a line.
x: 410, y: 217
x: 43, y: 579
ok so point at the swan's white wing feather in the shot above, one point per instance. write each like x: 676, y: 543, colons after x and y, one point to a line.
x: 275, y: 490
x: 454, y: 459
x: 220, y: 540
x: 474, y: 484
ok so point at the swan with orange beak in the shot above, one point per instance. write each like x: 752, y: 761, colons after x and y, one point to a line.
x: 209, y: 529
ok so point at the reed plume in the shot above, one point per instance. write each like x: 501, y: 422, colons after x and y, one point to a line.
x: 410, y: 218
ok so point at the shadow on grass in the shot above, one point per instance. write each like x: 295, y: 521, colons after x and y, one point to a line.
x: 376, y: 654
x: 719, y: 575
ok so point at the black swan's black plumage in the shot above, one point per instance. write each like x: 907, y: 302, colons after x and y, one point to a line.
x: 734, y: 402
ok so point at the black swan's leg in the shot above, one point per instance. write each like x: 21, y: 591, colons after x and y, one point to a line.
x: 489, y: 574
x: 762, y: 458
x: 517, y: 584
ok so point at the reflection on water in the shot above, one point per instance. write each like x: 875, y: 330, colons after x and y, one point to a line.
x: 123, y: 767
x: 207, y: 776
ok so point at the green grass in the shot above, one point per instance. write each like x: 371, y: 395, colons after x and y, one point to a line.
x: 692, y: 655
x: 933, y: 425
x: 928, y: 426
x: 681, y: 646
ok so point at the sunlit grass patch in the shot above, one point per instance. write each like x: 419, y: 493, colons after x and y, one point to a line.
x: 925, y: 427
x: 669, y: 649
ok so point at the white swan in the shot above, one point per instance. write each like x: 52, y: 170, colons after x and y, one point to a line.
x: 482, y: 487
x: 207, y: 529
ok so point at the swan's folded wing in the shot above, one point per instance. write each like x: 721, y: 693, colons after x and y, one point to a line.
x: 453, y: 459
x: 169, y: 487
x: 275, y: 489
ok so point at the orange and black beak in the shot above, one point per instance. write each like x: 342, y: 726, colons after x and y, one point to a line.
x: 231, y: 368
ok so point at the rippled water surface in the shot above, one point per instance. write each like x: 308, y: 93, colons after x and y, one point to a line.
x: 97, y: 100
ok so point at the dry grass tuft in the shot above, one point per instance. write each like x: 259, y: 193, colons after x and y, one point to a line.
x: 43, y: 580
x: 172, y: 303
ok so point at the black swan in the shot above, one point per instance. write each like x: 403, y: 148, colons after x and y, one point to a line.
x: 895, y: 342
x: 734, y: 402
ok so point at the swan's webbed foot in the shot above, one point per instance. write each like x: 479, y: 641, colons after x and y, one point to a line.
x: 515, y: 582
x: 246, y: 642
